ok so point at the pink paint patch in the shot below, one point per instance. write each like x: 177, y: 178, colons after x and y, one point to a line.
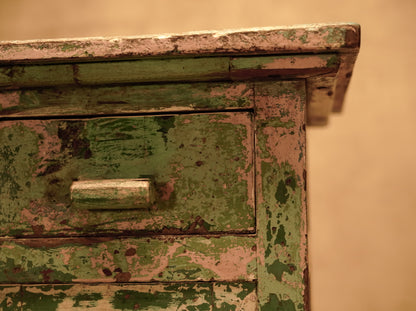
x: 232, y: 265
x: 8, y: 100
x: 168, y: 189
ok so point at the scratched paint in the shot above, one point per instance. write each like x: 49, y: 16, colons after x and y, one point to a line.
x: 201, y: 167
x: 87, y: 260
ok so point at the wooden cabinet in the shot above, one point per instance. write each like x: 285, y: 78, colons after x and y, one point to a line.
x: 163, y: 173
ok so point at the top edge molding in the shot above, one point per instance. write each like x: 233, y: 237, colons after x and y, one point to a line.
x: 299, y: 39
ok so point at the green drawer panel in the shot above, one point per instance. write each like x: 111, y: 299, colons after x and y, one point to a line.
x: 151, y: 297
x: 201, y: 166
x: 164, y: 258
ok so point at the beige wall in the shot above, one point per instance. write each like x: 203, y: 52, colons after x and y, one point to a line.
x: 361, y: 167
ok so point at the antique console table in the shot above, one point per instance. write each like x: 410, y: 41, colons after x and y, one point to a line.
x: 163, y: 172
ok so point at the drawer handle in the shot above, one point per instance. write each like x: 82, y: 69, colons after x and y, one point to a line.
x: 112, y: 194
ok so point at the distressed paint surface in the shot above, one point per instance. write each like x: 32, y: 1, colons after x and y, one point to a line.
x: 212, y: 296
x: 118, y: 297
x: 153, y: 70
x: 201, y: 166
x: 244, y: 194
x: 281, y: 197
x: 235, y: 297
x: 313, y: 38
x: 9, y: 297
x: 327, y: 79
x: 125, y: 99
x: 165, y: 70
x: 287, y: 66
x: 92, y: 260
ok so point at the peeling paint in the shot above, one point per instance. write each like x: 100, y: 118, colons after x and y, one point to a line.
x: 281, y: 197
x: 226, y: 258
x: 65, y: 151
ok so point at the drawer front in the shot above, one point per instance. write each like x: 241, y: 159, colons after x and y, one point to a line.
x: 147, y: 259
x: 201, y: 167
x: 152, y: 297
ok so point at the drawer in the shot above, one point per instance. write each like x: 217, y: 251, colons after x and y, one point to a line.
x: 200, y: 166
x: 134, y: 259
x: 152, y: 297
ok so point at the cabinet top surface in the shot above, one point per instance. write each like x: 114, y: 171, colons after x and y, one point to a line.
x: 323, y: 54
x: 313, y: 38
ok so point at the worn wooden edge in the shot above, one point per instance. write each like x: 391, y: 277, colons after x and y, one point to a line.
x: 312, y: 38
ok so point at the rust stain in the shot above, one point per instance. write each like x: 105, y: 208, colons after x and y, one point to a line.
x: 38, y: 229
x: 306, y: 291
x: 46, y: 275
x: 130, y: 252
x: 122, y: 277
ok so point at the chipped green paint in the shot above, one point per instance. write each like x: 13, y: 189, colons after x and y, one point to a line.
x: 9, y: 297
x: 153, y: 70
x: 277, y: 268
x: 283, y: 65
x: 67, y: 47
x: 201, y: 165
x: 276, y: 304
x: 179, y: 69
x: 234, y: 296
x: 28, y: 76
x: 118, y: 297
x: 333, y: 35
x: 211, y: 296
x: 126, y: 99
x: 289, y: 34
x: 226, y: 258
x: 280, y: 199
x: 304, y: 38
x: 333, y: 61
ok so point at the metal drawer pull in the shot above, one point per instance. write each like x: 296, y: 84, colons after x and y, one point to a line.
x: 112, y: 194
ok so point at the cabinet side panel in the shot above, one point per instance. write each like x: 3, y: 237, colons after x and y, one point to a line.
x: 281, y: 198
